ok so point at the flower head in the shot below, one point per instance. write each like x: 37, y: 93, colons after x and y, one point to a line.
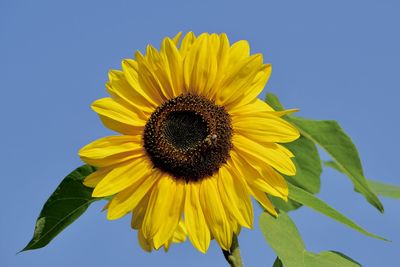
x: 195, y: 143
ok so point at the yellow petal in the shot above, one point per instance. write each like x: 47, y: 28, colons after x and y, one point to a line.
x: 111, y: 150
x: 239, y: 51
x: 122, y: 177
x: 196, y: 225
x: 179, y: 236
x: 160, y: 71
x: 177, y: 38
x: 167, y: 245
x: 235, y: 195
x: 164, y: 210
x: 200, y: 66
x: 276, y: 180
x: 265, y: 128
x: 148, y: 80
x: 144, y: 243
x: 136, y: 95
x: 256, y: 86
x: 262, y: 198
x: 262, y: 177
x: 221, y: 43
x: 187, y: 43
x: 214, y: 212
x: 139, y: 212
x: 235, y: 225
x: 285, y: 112
x: 285, y: 150
x: 117, y: 117
x: 173, y: 66
x: 180, y: 233
x: 237, y: 80
x: 94, y: 178
x: 264, y: 154
x: 257, y: 108
x: 126, y: 200
x: 124, y: 88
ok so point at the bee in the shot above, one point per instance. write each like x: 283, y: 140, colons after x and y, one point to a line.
x: 211, y: 139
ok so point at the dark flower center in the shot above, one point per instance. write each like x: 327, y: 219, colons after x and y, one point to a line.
x: 185, y: 129
x: 189, y: 137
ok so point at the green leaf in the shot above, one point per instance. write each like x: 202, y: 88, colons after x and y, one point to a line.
x: 385, y: 190
x: 339, y: 146
x: 308, y: 165
x: 333, y: 165
x: 382, y: 189
x: 330, y: 137
x: 317, y: 204
x: 274, y: 102
x: 65, y: 205
x: 284, y: 238
x: 280, y: 204
x: 328, y: 259
x: 277, y: 263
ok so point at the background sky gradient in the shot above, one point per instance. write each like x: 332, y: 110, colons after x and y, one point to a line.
x: 332, y: 59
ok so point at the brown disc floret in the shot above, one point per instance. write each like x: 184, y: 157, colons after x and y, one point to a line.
x: 189, y: 137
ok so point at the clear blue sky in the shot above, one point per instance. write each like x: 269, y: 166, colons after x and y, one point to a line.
x: 332, y: 59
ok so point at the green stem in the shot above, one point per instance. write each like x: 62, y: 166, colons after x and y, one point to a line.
x: 232, y: 255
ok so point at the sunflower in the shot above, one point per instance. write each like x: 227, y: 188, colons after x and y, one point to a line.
x: 195, y: 143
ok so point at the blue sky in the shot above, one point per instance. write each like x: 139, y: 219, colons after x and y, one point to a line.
x: 332, y: 59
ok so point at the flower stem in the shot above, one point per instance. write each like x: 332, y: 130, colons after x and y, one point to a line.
x: 232, y: 255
